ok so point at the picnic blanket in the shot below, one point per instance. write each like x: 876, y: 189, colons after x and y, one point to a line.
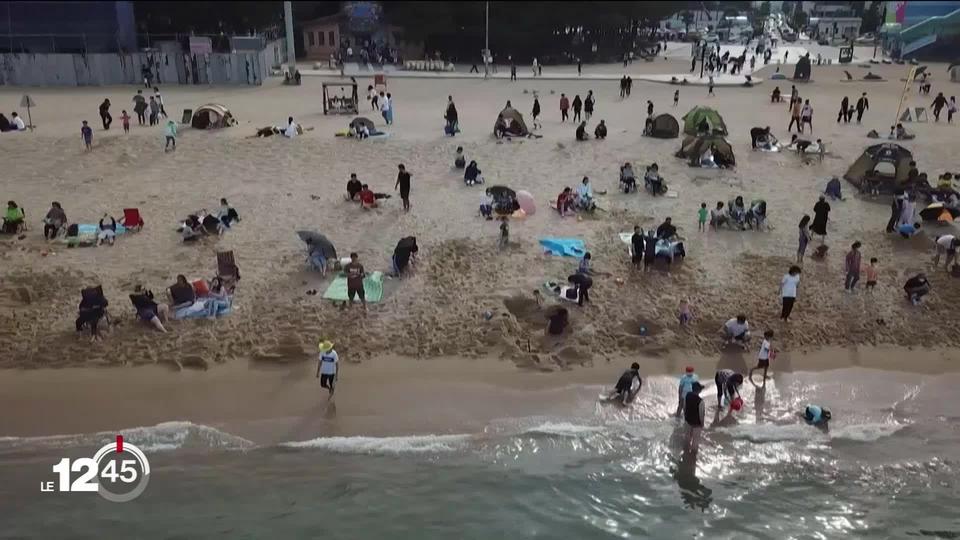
x: 87, y: 235
x: 372, y: 288
x: 564, y: 247
x: 664, y: 248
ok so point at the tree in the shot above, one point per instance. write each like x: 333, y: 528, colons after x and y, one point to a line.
x: 871, y: 18
x: 764, y: 11
x: 687, y: 20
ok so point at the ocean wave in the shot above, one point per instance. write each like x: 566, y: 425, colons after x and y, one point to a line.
x: 162, y: 437
x: 563, y: 429
x: 865, y: 432
x: 762, y: 433
x: 384, y: 445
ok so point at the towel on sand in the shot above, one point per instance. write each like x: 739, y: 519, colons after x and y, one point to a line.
x: 372, y: 288
x: 565, y: 247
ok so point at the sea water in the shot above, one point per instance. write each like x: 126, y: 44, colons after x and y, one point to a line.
x: 889, y: 467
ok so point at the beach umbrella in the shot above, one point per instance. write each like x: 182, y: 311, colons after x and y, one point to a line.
x: 526, y: 202
x: 318, y: 242
x: 937, y: 211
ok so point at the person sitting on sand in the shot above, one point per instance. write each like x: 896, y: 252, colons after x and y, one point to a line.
x: 775, y: 96
x: 736, y: 330
x: 582, y: 132
x: 226, y: 215
x: 624, y: 387
x: 500, y: 128
x: 833, y: 189
x: 92, y: 308
x: 916, y: 288
x: 565, y: 201
x: 601, y: 130
x: 471, y: 175
x: 628, y: 180
x: 584, y: 197
x: 486, y: 205
x: 217, y: 299
x: 558, y: 321
x: 292, y: 129
x: 182, y: 294
x: 724, y: 161
x: 148, y: 310
x: 55, y: 220
x: 798, y: 144
x: 13, y: 218
x: 192, y: 229
x: 106, y: 230
x: 459, y: 161
x: 368, y: 199
x: 653, y: 181
x: 667, y: 230
x: 718, y: 217
x: 354, y: 187
x: 902, y: 134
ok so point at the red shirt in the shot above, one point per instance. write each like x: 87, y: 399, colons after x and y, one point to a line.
x: 564, y: 103
x: 366, y: 197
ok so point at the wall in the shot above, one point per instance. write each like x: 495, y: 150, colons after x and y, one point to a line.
x: 109, y: 69
x: 314, y: 48
x: 46, y: 27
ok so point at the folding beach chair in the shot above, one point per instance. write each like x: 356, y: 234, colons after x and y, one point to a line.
x: 132, y: 219
x: 227, y: 268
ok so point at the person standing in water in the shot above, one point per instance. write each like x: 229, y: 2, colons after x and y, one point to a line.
x: 624, y: 387
x: 763, y: 357
x: 328, y: 366
x: 694, y: 413
x: 728, y: 385
x: 403, y: 184
x: 687, y: 380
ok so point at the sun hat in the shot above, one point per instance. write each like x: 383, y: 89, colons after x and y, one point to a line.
x: 325, y: 346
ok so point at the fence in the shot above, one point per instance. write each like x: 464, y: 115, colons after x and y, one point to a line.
x: 238, y: 68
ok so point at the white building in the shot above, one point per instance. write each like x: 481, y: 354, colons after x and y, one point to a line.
x: 835, y: 27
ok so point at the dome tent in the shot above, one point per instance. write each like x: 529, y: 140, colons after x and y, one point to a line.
x: 694, y: 147
x: 513, y: 118
x: 212, y: 116
x: 887, y: 162
x: 697, y: 115
x: 665, y: 126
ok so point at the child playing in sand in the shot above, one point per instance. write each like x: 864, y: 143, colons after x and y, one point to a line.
x: 125, y: 118
x: 763, y: 358
x: 872, y: 274
x: 504, y: 232
x: 86, y: 133
x: 702, y: 217
x: 684, y: 313
x: 171, y: 136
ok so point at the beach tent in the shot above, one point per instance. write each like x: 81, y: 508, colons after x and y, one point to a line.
x: 318, y: 242
x: 665, y: 127
x: 887, y: 162
x: 361, y: 121
x: 406, y: 248
x: 802, y: 71
x: 508, y: 114
x: 954, y: 71
x: 694, y: 147
x: 697, y: 114
x: 212, y: 116
x: 504, y: 199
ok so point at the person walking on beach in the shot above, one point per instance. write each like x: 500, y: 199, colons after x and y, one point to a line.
x: 577, y: 106
x: 403, y: 184
x: 702, y: 217
x: 637, y: 243
x: 535, y: 66
x: 535, y: 113
x: 804, y: 238
x: 513, y: 70
x: 86, y: 133
x: 851, y: 265
x: 140, y: 106
x: 328, y: 366
x: 623, y: 86
x: 579, y: 67
x: 588, y: 105
x: 821, y: 214
x: 564, y: 107
x: 795, y: 116
x: 171, y: 136
x: 844, y: 113
x: 676, y: 97
x: 788, y: 292
x: 710, y: 87
x: 862, y: 105
x: 384, y: 105
x: 629, y: 85
x: 105, y: 114
x: 938, y: 104
x: 159, y: 98
x: 806, y: 116
x: 154, y: 111
x: 125, y: 120
x: 504, y: 233
x: 951, y: 109
x: 649, y: 108
x: 763, y: 358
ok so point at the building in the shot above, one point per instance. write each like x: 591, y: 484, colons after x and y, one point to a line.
x: 834, y: 27
x: 358, y: 33
x: 922, y: 30
x: 75, y: 27
x: 321, y: 37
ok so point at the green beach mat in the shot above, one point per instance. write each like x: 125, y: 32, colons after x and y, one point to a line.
x: 372, y: 288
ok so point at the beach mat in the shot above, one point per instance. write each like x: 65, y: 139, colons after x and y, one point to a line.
x: 564, y: 247
x: 372, y: 288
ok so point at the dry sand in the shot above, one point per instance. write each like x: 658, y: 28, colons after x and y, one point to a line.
x: 280, y: 186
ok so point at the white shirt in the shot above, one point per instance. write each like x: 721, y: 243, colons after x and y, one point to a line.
x: 807, y: 111
x: 788, y: 286
x: 19, y: 123
x: 291, y: 130
x: 584, y: 191
x: 328, y: 362
x: 764, y: 350
x: 945, y: 241
x: 384, y: 103
x: 158, y: 98
x: 735, y: 328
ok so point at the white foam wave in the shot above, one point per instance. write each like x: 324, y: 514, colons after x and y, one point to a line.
x: 564, y: 429
x: 384, y: 445
x: 865, y: 432
x: 165, y: 436
x: 762, y: 433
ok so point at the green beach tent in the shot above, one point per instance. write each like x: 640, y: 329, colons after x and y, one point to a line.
x: 697, y: 115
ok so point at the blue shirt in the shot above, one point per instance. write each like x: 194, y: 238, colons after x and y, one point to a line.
x: 686, y: 384
x: 907, y: 229
x: 814, y: 414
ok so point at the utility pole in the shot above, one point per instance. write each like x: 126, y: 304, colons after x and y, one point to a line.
x: 486, y: 45
x: 291, y: 52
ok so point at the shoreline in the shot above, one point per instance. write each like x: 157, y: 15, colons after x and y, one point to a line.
x: 269, y: 404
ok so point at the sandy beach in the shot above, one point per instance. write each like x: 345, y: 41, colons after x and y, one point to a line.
x: 280, y: 186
